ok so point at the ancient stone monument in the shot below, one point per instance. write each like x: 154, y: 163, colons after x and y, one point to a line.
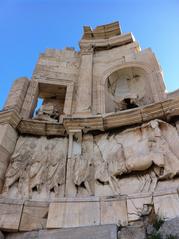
x: 100, y: 152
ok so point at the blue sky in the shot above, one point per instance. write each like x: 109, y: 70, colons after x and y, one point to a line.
x: 28, y: 27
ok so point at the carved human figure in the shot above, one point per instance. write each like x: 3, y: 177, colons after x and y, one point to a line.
x: 19, y: 162
x: 169, y: 161
x: 56, y: 160
x: 81, y: 173
x: 37, y: 171
x: 83, y: 166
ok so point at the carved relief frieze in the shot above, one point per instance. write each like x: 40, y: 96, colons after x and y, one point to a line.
x: 130, y: 162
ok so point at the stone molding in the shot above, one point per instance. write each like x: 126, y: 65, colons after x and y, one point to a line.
x: 111, y: 42
x: 164, y: 110
x: 10, y: 117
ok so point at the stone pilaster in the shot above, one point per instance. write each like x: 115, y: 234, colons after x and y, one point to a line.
x: 177, y: 126
x: 84, y: 93
x: 74, y: 149
x: 30, y: 100
x: 17, y: 94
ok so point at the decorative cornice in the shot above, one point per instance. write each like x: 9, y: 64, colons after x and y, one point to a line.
x: 42, y: 128
x: 10, y: 117
x: 164, y: 110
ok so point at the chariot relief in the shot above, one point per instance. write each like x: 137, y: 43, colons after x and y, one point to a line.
x: 146, y: 154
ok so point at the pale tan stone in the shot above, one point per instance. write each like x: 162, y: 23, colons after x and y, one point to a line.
x: 34, y: 216
x: 166, y: 205
x: 37, y: 168
x: 136, y: 150
x: 17, y: 94
x: 177, y: 126
x: 73, y: 214
x: 99, y: 133
x: 10, y: 117
x: 10, y: 212
x: 138, y: 206
x: 8, y: 137
x: 114, y: 211
x: 30, y: 100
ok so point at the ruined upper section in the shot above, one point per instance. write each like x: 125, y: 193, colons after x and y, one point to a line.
x: 104, y: 37
x: 102, y: 32
x: 109, y: 74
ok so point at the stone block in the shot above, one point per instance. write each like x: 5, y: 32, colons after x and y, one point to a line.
x: 21, y: 235
x: 138, y: 206
x: 4, y: 159
x: 132, y: 232
x: 1, y: 235
x: 114, y: 211
x: 10, y: 212
x: 170, y: 228
x: 8, y: 137
x: 17, y: 94
x: 92, y: 232
x: 73, y: 214
x: 166, y: 206
x: 34, y: 216
x: 4, y: 156
x: 177, y: 126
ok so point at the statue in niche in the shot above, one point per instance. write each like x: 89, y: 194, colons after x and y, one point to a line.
x: 49, y: 111
x: 127, y: 91
x: 120, y: 159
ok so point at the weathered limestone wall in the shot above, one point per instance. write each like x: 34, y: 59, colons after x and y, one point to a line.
x: 84, y: 92
x: 17, y: 94
x: 89, y: 70
x: 137, y: 167
x: 37, y: 168
x: 88, y: 162
x: 30, y: 100
x: 173, y: 94
x: 108, y: 62
x: 89, y: 165
x: 60, y: 68
x: 8, y: 138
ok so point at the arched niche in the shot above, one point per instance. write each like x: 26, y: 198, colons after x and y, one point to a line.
x: 127, y: 88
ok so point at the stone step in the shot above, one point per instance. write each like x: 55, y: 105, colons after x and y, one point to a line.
x: 93, y: 232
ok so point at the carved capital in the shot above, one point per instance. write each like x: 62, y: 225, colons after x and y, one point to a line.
x: 87, y: 49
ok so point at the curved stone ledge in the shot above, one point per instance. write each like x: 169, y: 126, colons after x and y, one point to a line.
x: 164, y: 110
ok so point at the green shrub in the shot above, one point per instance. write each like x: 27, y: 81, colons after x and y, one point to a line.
x: 155, y: 235
x: 171, y: 237
x: 158, y: 223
